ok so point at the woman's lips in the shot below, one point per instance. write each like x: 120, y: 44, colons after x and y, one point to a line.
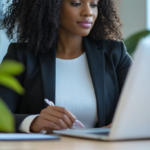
x: 84, y: 24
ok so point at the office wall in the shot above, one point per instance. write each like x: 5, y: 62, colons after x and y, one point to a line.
x: 133, y: 16
x: 148, y: 14
x: 132, y: 13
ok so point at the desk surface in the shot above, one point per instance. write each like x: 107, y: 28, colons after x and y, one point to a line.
x: 69, y: 143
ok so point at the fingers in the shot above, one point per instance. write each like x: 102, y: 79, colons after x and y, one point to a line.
x: 60, y: 118
x: 49, y: 126
x: 108, y: 126
x: 64, y: 111
x: 53, y: 118
x: 59, y: 122
x: 39, y: 124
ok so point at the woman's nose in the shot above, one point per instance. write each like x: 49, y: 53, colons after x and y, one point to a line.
x: 87, y: 11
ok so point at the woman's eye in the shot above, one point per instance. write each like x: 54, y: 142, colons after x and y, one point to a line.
x: 94, y: 5
x: 75, y: 4
x: 78, y: 4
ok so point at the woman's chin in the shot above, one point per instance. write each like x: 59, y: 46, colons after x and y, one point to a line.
x: 84, y: 34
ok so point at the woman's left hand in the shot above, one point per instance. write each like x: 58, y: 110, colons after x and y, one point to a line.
x: 109, y: 126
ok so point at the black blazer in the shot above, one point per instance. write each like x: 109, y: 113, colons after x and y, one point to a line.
x: 108, y: 63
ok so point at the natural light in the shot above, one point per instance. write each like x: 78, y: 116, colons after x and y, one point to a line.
x: 148, y: 14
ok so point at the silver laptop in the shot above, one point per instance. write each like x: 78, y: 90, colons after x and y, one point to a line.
x: 132, y: 116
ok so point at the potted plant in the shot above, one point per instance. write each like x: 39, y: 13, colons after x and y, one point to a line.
x: 132, y: 41
x: 8, y: 69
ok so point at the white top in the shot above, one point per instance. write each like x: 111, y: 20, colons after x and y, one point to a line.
x: 74, y: 91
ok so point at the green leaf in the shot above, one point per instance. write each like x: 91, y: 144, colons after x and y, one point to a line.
x: 6, y: 119
x: 11, y: 83
x: 11, y: 67
x: 133, y: 40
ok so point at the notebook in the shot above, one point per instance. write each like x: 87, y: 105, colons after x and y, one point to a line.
x: 25, y: 137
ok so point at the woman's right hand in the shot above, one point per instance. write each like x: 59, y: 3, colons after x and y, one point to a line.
x: 52, y: 118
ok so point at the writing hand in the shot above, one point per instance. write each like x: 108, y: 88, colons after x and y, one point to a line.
x: 108, y: 126
x: 53, y: 118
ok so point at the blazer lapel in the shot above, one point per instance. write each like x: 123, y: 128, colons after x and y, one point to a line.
x: 95, y: 57
x: 48, y: 63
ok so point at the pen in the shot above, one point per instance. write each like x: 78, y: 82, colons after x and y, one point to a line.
x: 50, y: 103
x: 76, y: 124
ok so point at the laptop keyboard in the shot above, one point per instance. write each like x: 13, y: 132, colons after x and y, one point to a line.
x: 100, y: 133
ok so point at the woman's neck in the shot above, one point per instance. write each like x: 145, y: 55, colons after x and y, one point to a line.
x: 69, y: 46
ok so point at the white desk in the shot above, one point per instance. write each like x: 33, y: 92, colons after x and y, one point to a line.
x: 69, y: 143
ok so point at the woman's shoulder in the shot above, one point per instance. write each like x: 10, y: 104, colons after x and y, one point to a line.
x: 109, y: 45
x: 17, y: 51
x: 112, y: 45
x: 17, y: 46
x: 115, y: 50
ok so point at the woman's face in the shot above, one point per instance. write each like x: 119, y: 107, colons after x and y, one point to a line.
x: 78, y: 16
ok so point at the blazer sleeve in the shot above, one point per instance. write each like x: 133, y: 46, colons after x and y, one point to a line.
x: 10, y: 97
x: 123, y: 66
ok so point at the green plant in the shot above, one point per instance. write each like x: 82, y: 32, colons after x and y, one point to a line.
x: 132, y: 41
x: 8, y: 69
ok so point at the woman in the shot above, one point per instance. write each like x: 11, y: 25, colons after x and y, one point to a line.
x: 73, y: 56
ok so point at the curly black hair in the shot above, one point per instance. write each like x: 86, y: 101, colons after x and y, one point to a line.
x: 38, y: 23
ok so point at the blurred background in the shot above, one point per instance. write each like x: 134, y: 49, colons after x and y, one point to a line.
x: 134, y: 14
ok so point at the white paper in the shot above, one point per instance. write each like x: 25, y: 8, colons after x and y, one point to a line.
x: 24, y: 136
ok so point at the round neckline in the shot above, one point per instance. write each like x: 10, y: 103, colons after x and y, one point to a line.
x: 71, y: 59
